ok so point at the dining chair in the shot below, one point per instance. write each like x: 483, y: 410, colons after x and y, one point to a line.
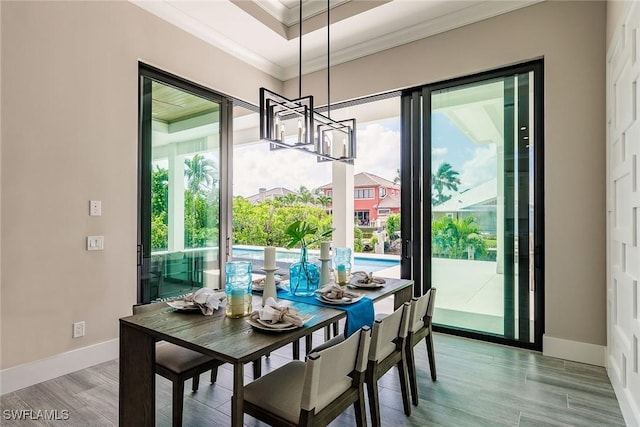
x: 178, y: 364
x: 386, y: 351
x: 420, y: 328
x: 315, y: 392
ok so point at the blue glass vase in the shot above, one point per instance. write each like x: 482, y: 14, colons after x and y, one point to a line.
x: 342, y: 264
x: 304, y: 276
x: 238, y: 288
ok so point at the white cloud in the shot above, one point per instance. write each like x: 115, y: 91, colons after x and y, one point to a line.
x: 255, y: 166
x: 439, y: 151
x: 481, y: 168
x: 378, y: 151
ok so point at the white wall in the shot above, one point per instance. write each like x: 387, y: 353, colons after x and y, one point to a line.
x: 70, y: 113
x: 623, y: 205
x: 570, y: 36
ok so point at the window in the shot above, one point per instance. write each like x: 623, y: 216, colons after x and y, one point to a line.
x: 383, y: 192
x: 182, y: 129
x: 384, y: 211
x: 363, y: 193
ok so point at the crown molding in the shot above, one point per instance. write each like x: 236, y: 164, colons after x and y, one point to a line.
x: 469, y: 15
x: 175, y: 16
x: 477, y: 12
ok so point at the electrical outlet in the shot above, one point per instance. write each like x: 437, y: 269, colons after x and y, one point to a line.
x: 95, y: 207
x: 78, y: 329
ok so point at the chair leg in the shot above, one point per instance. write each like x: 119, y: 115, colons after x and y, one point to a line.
x: 360, y: 409
x: 432, y: 356
x: 296, y: 350
x: 195, y: 382
x: 411, y: 370
x: 308, y: 343
x: 374, y: 400
x: 178, y: 398
x: 214, y: 374
x: 404, y: 386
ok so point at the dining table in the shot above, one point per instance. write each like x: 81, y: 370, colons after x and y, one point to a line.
x: 232, y: 340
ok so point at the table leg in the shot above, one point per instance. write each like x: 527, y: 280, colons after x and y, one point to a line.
x: 137, y: 400
x: 237, y: 400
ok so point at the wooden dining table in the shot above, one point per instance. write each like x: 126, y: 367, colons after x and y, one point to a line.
x: 227, y: 339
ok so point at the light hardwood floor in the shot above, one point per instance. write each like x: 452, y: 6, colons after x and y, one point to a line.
x: 479, y: 384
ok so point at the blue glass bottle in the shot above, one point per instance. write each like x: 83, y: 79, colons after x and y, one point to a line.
x: 342, y: 264
x: 238, y: 288
x: 304, y: 276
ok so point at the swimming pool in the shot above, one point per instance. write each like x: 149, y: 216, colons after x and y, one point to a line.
x: 362, y: 262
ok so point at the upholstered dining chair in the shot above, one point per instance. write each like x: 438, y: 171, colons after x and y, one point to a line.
x: 420, y: 328
x: 178, y: 364
x: 386, y: 351
x: 314, y: 392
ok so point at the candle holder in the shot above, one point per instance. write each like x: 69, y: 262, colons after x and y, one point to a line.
x: 325, y: 275
x: 269, y: 285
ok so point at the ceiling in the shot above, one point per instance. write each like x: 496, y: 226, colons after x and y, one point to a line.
x: 264, y: 33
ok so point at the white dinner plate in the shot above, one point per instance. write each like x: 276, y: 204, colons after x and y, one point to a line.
x: 260, y: 287
x: 356, y: 285
x: 183, y: 305
x: 340, y: 301
x: 277, y: 327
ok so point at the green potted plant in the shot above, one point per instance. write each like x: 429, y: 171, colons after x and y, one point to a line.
x: 304, y: 276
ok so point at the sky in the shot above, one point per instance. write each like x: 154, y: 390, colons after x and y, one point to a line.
x: 475, y: 163
x: 255, y: 166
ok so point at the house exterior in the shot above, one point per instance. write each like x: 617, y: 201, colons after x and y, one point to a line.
x: 478, y: 202
x: 374, y: 198
x: 264, y: 194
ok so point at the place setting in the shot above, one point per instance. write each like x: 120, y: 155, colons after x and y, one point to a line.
x: 205, y: 300
x: 274, y: 317
x: 335, y: 294
x: 364, y: 280
x: 258, y: 283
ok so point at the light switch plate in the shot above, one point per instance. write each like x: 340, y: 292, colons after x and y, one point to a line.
x: 95, y: 243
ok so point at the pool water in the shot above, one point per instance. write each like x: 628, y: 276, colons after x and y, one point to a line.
x: 361, y: 262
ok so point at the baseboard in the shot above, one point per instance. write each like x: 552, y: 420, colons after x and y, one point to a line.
x: 28, y: 374
x: 574, y: 350
x: 628, y: 407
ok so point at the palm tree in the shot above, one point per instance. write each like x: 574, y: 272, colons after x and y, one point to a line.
x: 445, y: 178
x: 452, y: 237
x: 200, y: 172
x: 304, y: 195
x: 323, y: 200
x: 288, y: 199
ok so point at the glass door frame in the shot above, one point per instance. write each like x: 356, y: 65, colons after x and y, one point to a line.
x: 416, y: 144
x: 146, y: 73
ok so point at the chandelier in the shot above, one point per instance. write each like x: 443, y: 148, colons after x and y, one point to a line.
x: 294, y: 123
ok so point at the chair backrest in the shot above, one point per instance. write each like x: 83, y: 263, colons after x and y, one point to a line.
x: 422, y: 310
x: 145, y: 308
x: 330, y: 372
x: 387, y: 331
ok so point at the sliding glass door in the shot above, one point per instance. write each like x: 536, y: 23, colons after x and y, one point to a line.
x: 181, y: 140
x: 474, y: 157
